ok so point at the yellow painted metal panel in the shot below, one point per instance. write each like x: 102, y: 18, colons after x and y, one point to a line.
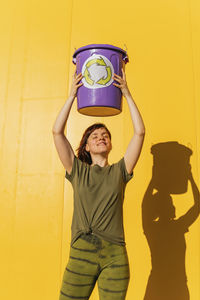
x: 38, y: 40
x: 32, y: 177
x: 48, y: 47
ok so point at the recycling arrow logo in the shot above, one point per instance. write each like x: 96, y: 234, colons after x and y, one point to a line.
x: 97, y: 72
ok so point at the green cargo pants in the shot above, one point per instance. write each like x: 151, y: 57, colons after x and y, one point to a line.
x: 94, y: 259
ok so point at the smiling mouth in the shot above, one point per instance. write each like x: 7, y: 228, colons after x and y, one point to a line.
x: 102, y: 144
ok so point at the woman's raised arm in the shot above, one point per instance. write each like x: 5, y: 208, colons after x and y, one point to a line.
x: 63, y: 146
x: 135, y: 146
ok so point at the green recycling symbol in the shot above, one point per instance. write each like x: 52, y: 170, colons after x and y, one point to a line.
x: 98, y: 62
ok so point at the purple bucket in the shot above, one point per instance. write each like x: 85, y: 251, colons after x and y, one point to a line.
x: 98, y: 63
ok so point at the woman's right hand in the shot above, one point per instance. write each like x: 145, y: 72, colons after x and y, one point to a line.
x: 75, y: 85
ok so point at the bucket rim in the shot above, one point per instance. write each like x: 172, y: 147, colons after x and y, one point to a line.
x: 100, y: 46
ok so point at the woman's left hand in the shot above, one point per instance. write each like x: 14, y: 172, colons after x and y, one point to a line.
x: 122, y: 83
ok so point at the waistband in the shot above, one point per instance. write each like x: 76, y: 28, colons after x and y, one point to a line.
x: 92, y: 238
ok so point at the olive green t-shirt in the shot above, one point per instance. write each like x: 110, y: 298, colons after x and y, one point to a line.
x: 98, y: 199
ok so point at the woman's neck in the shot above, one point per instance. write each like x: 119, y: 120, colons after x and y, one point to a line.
x: 99, y: 160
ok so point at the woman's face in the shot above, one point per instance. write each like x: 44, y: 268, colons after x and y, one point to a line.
x: 99, y: 142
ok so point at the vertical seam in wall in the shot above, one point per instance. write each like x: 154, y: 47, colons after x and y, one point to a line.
x: 5, y: 116
x: 67, y: 83
x: 7, y: 81
x: 24, y: 54
x: 69, y: 46
x: 194, y: 86
x: 194, y: 99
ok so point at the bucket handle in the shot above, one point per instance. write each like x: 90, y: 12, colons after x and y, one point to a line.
x: 126, y: 58
x: 125, y: 47
x: 74, y: 59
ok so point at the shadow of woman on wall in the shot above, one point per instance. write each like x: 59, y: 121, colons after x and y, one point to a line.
x: 164, y: 233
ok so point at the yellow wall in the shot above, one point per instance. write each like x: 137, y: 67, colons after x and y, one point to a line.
x: 37, y: 43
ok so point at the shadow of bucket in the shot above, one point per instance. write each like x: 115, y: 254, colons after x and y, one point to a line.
x: 170, y: 167
x: 98, y: 63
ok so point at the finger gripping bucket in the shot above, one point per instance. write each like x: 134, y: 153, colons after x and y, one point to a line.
x: 98, y: 63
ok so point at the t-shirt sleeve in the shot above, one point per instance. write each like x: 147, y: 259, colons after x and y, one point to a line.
x: 126, y: 176
x: 74, y: 170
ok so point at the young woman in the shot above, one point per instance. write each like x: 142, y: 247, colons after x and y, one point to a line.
x: 98, y: 249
